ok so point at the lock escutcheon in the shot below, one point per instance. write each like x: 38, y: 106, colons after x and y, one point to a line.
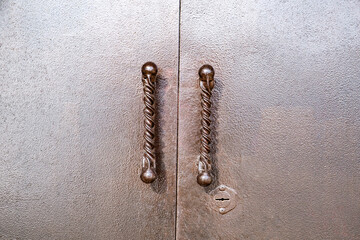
x: 223, y: 199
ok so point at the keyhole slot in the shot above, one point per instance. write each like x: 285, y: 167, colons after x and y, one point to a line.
x: 222, y: 199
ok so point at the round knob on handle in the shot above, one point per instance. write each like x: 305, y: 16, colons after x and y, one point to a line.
x: 206, y: 70
x: 148, y: 176
x: 149, y: 68
x: 204, y: 179
x: 206, y: 73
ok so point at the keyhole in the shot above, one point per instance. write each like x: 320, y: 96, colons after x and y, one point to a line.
x: 222, y: 199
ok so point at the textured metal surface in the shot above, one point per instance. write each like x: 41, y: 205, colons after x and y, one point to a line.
x: 71, y: 119
x: 286, y: 118
x: 149, y: 71
x: 206, y: 83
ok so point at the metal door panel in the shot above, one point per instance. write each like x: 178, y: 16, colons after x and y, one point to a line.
x: 286, y: 118
x: 72, y: 122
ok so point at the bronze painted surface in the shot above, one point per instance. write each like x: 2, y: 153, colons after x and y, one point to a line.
x: 286, y: 118
x: 71, y: 119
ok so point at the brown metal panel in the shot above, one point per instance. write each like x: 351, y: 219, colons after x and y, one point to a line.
x: 286, y: 119
x: 71, y: 121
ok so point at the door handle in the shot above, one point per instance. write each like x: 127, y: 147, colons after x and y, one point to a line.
x: 206, y: 81
x: 149, y: 71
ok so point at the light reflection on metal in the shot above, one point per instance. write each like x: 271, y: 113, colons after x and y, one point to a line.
x: 149, y: 71
x: 207, y: 82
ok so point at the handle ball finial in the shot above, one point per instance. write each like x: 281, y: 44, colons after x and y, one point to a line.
x: 149, y: 68
x: 204, y: 179
x: 148, y: 176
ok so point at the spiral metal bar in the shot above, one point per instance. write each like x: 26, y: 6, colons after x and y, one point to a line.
x: 206, y: 74
x: 149, y: 71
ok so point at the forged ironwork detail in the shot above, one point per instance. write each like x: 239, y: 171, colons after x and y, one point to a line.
x: 223, y: 199
x: 149, y: 71
x: 206, y: 74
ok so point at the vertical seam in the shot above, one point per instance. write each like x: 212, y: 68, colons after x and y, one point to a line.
x: 177, y: 124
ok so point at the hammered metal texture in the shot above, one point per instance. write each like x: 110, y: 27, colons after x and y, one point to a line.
x: 286, y: 118
x: 71, y: 119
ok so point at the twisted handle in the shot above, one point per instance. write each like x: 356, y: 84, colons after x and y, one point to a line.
x: 149, y: 71
x: 207, y: 82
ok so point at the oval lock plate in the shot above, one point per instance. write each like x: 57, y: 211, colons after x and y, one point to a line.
x: 223, y: 199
